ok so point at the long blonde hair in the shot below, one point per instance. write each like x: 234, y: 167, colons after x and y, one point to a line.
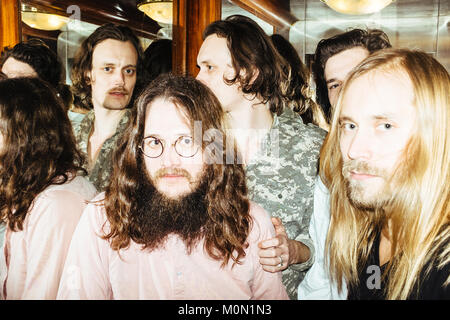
x: 418, y: 212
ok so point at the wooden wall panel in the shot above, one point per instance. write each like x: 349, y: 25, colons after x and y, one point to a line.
x: 10, y: 33
x: 191, y: 17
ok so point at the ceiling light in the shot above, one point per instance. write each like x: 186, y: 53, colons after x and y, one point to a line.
x: 357, y: 6
x: 158, y: 10
x: 42, y: 20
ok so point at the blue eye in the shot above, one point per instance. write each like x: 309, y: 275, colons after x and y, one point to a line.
x: 385, y: 126
x: 348, y: 126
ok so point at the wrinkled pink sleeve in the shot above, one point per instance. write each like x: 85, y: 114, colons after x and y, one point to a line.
x: 266, y: 285
x: 85, y: 274
x: 51, y: 224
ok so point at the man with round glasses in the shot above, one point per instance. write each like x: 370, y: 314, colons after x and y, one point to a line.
x: 175, y: 222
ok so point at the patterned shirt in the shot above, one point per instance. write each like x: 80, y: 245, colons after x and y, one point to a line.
x: 281, y: 179
x: 101, y: 170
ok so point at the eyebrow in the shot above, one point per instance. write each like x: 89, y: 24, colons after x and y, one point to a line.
x: 179, y: 134
x: 382, y: 116
x: 111, y: 64
x: 332, y: 80
x: 345, y: 118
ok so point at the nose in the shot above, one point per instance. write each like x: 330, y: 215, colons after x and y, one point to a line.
x: 170, y: 157
x: 200, y: 77
x: 360, y: 146
x: 119, y: 78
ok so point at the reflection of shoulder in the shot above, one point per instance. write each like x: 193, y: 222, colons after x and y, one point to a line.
x: 261, y: 222
x: 95, y: 212
x: 291, y: 127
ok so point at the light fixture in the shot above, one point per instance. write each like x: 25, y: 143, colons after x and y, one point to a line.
x: 158, y: 10
x: 357, y: 6
x: 38, y: 19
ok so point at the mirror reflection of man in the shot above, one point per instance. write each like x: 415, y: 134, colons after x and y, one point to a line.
x: 334, y: 59
x: 104, y: 75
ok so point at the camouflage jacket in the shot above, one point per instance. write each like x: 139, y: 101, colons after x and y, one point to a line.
x: 281, y: 179
x: 102, y: 168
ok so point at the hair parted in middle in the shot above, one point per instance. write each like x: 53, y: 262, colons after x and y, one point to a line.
x: 83, y: 60
x: 229, y: 219
x: 259, y: 68
x: 418, y: 211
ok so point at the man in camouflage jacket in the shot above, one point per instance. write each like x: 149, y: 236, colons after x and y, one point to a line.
x: 104, y: 76
x: 241, y: 66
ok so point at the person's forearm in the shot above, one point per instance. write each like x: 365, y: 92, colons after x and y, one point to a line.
x: 298, y: 252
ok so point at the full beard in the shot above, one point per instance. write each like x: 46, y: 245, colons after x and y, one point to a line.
x: 363, y: 194
x: 157, y: 216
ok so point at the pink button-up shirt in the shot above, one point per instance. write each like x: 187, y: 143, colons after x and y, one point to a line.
x: 94, y: 271
x: 32, y: 259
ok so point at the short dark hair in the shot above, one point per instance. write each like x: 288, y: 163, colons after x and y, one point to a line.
x: 39, y: 145
x: 371, y: 39
x: 83, y: 60
x: 252, y: 50
x: 158, y: 58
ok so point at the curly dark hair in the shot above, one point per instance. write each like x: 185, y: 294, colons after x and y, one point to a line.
x: 371, y: 39
x: 83, y: 61
x: 229, y: 221
x: 252, y: 51
x: 39, y: 147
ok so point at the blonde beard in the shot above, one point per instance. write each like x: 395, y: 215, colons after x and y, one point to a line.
x: 366, y: 195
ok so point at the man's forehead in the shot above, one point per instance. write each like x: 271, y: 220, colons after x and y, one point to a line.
x: 110, y: 50
x: 164, y: 115
x: 339, y: 65
x: 378, y: 95
x: 214, y: 48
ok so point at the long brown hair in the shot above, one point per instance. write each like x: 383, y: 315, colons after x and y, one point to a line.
x: 83, y: 60
x: 227, y: 205
x: 39, y: 147
x: 418, y: 211
x: 267, y: 74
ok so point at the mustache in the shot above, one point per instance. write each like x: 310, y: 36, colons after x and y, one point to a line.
x: 121, y: 90
x: 360, y: 167
x: 173, y: 171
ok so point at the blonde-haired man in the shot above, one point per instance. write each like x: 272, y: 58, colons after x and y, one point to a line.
x: 386, y: 164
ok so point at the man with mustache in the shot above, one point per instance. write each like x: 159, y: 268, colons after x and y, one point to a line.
x: 334, y: 59
x: 105, y: 73
x: 386, y: 164
x: 175, y: 222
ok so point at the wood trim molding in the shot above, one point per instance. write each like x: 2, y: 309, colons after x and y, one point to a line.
x: 191, y: 17
x: 10, y: 23
x: 275, y: 12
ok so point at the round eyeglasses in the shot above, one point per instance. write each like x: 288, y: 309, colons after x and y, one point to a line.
x: 153, y: 147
